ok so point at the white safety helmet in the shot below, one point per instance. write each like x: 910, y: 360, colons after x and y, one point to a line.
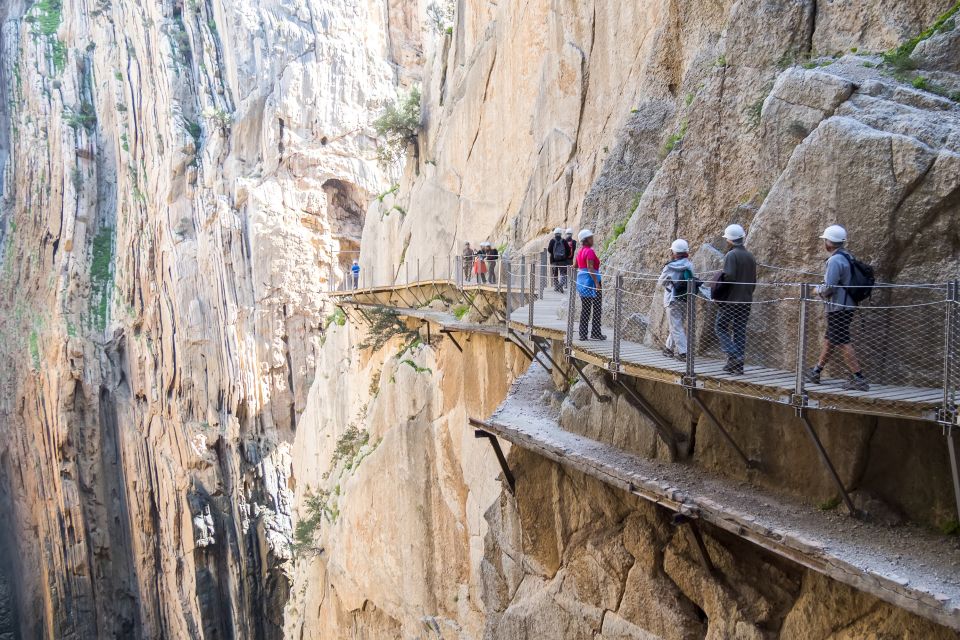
x: 734, y: 232
x: 835, y: 233
x: 557, y: 230
x: 569, y: 232
x: 583, y: 235
x: 680, y: 246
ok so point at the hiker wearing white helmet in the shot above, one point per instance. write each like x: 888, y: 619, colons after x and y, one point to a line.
x: 840, y: 307
x: 676, y: 279
x: 589, y: 287
x: 734, y: 294
x: 557, y: 254
x: 571, y: 245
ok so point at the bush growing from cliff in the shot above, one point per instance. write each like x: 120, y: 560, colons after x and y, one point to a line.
x: 398, y: 127
x: 440, y: 16
x: 384, y: 326
x: 316, y: 509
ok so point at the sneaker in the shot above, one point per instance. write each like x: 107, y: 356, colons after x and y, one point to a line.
x: 856, y: 384
x: 599, y: 337
x: 583, y: 338
x: 668, y: 353
x: 682, y: 357
x: 734, y: 367
x: 812, y: 375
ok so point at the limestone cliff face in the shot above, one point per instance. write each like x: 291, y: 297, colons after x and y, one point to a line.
x: 180, y: 180
x: 176, y: 180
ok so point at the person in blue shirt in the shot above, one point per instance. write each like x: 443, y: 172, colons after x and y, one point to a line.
x: 840, y: 309
x: 355, y: 272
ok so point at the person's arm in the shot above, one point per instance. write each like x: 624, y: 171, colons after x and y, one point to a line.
x: 721, y: 289
x: 665, y: 278
x: 592, y: 265
x: 831, y: 278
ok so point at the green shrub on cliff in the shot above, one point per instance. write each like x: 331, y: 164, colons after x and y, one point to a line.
x: 398, y: 127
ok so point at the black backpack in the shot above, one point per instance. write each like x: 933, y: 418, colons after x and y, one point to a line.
x: 559, y: 250
x: 680, y: 286
x: 862, y: 279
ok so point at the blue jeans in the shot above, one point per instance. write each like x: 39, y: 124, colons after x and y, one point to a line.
x: 731, y: 328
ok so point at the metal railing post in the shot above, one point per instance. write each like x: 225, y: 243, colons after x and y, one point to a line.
x: 533, y: 297
x: 523, y: 275
x: 571, y: 305
x: 508, y: 303
x: 799, y: 400
x: 617, y: 321
x: 544, y: 271
x: 406, y: 272
x: 949, y: 399
x: 330, y: 284
x: 418, y: 271
x: 691, y: 332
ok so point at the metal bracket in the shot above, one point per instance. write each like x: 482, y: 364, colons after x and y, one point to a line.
x: 799, y: 402
x: 449, y: 334
x: 703, y: 552
x: 504, y: 467
x: 805, y: 419
x: 583, y: 376
x: 664, y: 429
x: 688, y: 382
x: 749, y: 462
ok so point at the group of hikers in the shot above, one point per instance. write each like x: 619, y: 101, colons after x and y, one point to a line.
x: 731, y: 288
x: 481, y: 264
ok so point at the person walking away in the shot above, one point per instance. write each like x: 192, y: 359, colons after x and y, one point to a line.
x: 676, y: 278
x: 734, y: 295
x: 571, y: 246
x: 480, y: 264
x: 493, y: 257
x: 557, y: 255
x: 468, y: 254
x: 355, y: 273
x: 589, y: 287
x: 840, y: 309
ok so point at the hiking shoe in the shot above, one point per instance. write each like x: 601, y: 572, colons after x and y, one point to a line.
x: 734, y: 367
x: 856, y: 384
x: 812, y: 376
x: 668, y: 353
x: 682, y: 357
x: 599, y: 337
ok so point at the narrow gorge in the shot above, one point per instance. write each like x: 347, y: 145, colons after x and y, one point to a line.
x: 211, y: 428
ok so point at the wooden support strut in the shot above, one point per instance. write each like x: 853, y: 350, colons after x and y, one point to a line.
x: 504, y: 467
x: 751, y: 464
x: 449, y: 334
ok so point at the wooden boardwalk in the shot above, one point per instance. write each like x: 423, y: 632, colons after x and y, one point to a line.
x: 648, y: 362
x: 775, y: 385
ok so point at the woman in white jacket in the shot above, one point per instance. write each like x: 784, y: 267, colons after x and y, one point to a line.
x: 674, y: 273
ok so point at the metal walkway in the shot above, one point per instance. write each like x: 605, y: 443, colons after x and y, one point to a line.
x: 906, y: 338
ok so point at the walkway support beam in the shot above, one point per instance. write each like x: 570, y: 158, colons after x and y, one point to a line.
x: 504, y: 467
x: 805, y: 419
x: 663, y: 429
x: 583, y: 376
x: 751, y: 464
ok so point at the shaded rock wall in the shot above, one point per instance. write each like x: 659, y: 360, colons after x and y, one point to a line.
x: 167, y: 229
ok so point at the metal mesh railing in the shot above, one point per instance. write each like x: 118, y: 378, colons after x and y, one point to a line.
x: 903, y: 340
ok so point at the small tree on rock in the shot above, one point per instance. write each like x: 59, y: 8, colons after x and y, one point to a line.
x: 398, y: 127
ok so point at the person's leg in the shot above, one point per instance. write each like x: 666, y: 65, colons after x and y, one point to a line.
x: 585, y: 306
x: 597, y: 307
x: 850, y: 357
x: 678, y: 334
x: 741, y: 315
x: 721, y: 329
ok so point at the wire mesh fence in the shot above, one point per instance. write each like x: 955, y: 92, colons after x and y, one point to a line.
x: 781, y: 342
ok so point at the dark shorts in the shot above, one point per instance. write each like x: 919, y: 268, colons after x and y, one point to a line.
x: 838, y: 326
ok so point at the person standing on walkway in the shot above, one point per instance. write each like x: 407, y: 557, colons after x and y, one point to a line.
x: 480, y: 263
x: 493, y: 260
x: 734, y: 295
x: 571, y: 246
x: 676, y: 279
x: 355, y: 273
x: 589, y: 288
x: 468, y: 254
x: 840, y: 309
x: 557, y: 255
